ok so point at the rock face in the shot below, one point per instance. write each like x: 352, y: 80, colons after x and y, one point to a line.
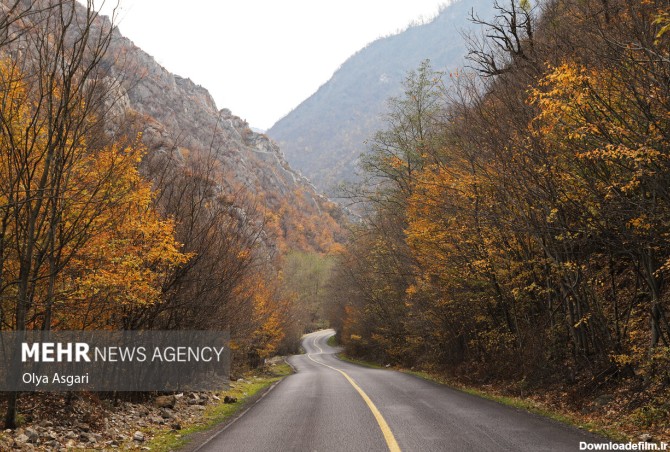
x: 324, y: 136
x: 182, y: 116
x: 179, y: 118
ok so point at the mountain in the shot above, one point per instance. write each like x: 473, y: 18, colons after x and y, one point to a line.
x: 178, y: 117
x: 324, y: 136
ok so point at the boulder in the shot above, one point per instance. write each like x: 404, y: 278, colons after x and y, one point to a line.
x: 33, y: 436
x: 168, y: 401
x: 167, y: 413
x: 21, y: 438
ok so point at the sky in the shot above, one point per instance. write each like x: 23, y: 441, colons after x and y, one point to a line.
x: 261, y: 58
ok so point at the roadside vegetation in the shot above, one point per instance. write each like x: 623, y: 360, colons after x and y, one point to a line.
x: 99, y: 232
x: 332, y: 341
x: 515, y: 234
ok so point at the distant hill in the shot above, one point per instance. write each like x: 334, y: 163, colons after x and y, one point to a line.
x: 324, y: 136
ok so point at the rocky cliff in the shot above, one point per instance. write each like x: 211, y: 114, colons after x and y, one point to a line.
x: 179, y: 117
x: 186, y: 117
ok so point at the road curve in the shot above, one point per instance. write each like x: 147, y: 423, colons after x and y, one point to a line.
x: 331, y: 405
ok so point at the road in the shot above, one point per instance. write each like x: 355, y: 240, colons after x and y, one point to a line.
x: 331, y: 405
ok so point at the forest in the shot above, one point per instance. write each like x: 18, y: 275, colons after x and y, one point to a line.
x: 99, y: 233
x: 513, y: 227
x: 516, y: 225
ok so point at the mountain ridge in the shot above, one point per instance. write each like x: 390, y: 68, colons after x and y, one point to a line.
x: 180, y: 117
x: 323, y: 137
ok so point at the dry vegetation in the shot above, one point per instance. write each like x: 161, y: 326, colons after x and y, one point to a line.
x: 99, y: 232
x: 517, y: 226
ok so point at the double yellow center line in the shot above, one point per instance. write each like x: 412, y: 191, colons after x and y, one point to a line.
x: 386, y: 430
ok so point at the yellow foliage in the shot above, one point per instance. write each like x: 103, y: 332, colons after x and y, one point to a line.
x: 108, y: 244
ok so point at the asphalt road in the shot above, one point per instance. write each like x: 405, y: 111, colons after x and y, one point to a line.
x: 331, y: 405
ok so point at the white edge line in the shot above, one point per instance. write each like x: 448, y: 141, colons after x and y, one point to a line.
x: 236, y: 418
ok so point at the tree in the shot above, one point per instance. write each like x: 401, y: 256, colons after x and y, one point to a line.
x: 529, y: 239
x: 53, y: 100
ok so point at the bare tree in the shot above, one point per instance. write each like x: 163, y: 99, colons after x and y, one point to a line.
x: 507, y: 38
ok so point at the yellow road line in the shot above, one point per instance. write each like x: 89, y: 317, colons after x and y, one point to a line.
x: 317, y: 346
x: 386, y: 430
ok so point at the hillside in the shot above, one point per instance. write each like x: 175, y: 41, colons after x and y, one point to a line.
x: 517, y: 235
x: 325, y: 134
x: 179, y: 117
x: 129, y: 200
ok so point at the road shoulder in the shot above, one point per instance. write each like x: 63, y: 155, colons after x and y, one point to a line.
x: 248, y: 392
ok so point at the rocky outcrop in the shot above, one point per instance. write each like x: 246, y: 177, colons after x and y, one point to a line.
x: 183, y: 116
x: 180, y: 118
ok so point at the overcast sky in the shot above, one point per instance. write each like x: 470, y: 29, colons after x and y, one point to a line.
x: 261, y: 58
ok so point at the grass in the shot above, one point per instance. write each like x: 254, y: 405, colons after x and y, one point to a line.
x: 360, y: 362
x: 167, y: 440
x: 332, y: 341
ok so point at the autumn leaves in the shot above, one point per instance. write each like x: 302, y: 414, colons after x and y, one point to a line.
x: 518, y: 224
x: 96, y: 232
x: 81, y: 239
